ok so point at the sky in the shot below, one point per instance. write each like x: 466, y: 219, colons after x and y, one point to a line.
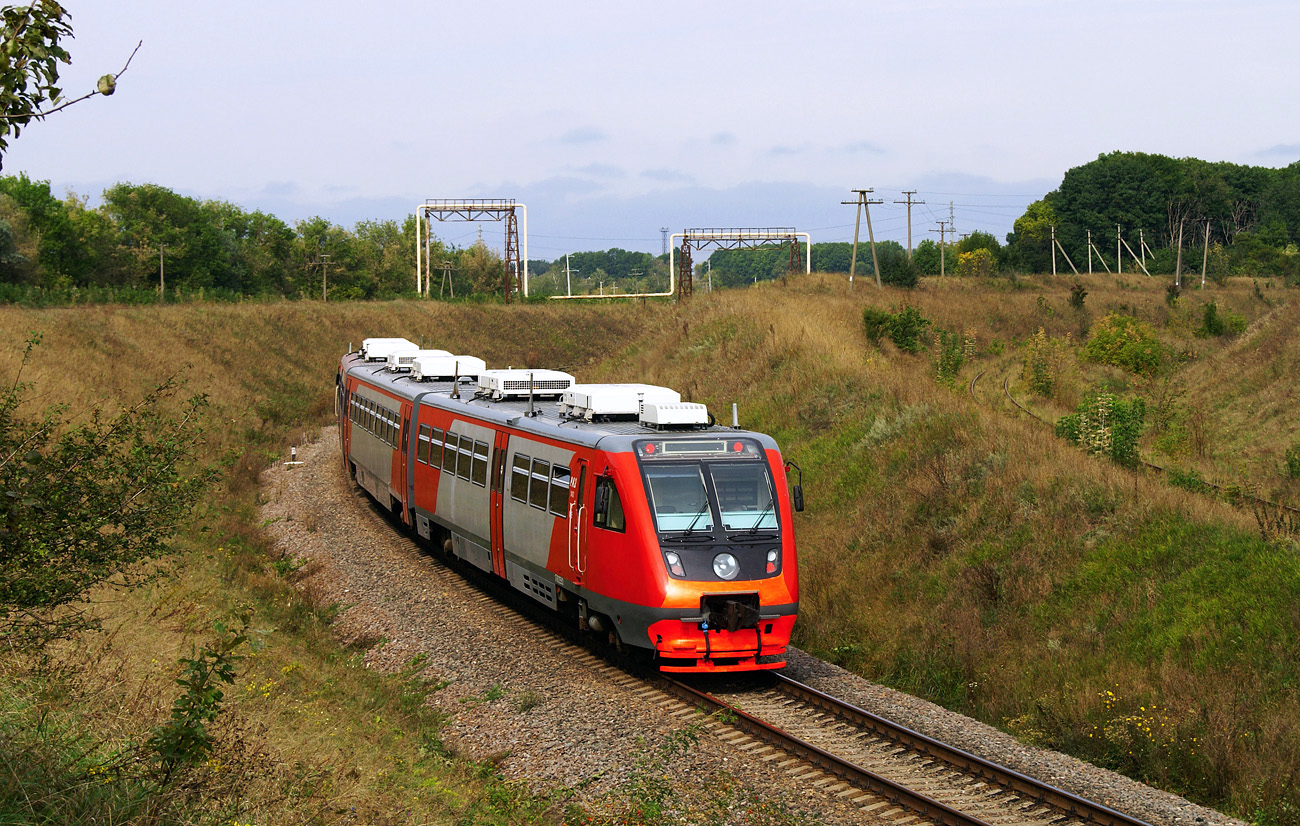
x: 610, y: 121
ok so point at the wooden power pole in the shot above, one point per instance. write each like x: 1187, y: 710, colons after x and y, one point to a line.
x: 909, y: 193
x: 863, y: 204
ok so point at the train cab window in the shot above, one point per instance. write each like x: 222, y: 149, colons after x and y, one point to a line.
x: 435, y: 447
x: 560, y: 491
x: 519, y: 478
x: 608, y: 513
x: 449, y: 454
x: 478, y: 475
x: 466, y: 457
x: 422, y: 448
x: 539, y: 484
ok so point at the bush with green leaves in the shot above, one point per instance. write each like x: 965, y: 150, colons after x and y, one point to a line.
x: 1125, y: 342
x: 1214, y: 323
x: 1106, y: 425
x: 86, y: 495
x: 904, y: 327
x: 950, y: 355
x: 1293, y: 461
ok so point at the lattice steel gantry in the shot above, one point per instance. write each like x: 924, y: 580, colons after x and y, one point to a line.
x: 475, y: 209
x: 732, y: 238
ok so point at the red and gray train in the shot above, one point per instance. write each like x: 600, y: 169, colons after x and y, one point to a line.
x: 616, y: 505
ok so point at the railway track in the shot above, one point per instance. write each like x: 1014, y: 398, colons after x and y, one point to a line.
x: 886, y: 770
x: 881, y: 765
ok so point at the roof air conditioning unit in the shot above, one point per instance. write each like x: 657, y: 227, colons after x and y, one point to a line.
x: 377, y: 349
x: 663, y: 415
x: 446, y: 367
x: 505, y: 384
x: 592, y: 401
x: 403, y: 360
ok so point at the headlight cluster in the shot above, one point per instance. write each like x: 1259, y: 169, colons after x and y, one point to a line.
x: 725, y: 566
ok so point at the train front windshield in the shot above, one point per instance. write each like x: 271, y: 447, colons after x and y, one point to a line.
x: 733, y: 490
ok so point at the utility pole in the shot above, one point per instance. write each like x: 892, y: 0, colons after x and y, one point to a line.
x: 952, y: 222
x: 1119, y: 249
x: 568, y: 279
x: 664, y: 231
x: 162, y: 276
x: 863, y: 203
x: 941, y: 230
x: 1053, y: 249
x: 909, y: 193
x: 1205, y: 254
x: 324, y: 268
x: 709, y: 262
x: 1178, y: 268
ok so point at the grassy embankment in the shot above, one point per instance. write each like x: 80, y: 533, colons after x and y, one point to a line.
x: 952, y: 547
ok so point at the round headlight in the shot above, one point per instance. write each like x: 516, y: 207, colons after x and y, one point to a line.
x: 725, y: 566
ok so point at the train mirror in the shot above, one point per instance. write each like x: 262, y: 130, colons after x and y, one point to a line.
x: 602, y: 501
x: 798, y: 497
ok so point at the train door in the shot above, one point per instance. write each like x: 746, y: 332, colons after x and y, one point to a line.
x: 578, y: 530
x: 496, y: 498
x: 400, y: 480
x: 345, y: 422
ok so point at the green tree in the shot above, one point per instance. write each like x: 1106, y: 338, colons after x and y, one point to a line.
x: 926, y: 257
x: 1029, y: 245
x: 149, y: 217
x: 29, y: 76
x: 84, y: 497
x: 47, y: 217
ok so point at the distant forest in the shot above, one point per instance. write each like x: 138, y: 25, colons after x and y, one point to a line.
x: 1240, y: 220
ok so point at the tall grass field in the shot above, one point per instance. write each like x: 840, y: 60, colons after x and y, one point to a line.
x: 1124, y: 587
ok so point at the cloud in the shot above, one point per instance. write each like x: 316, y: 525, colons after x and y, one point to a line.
x: 1286, y: 150
x: 864, y: 146
x: 786, y: 151
x: 722, y: 139
x: 602, y: 170
x: 584, y: 134
x: 667, y: 176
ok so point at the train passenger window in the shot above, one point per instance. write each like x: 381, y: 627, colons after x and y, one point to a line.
x: 608, y: 513
x: 422, y: 448
x: 537, y: 486
x: 449, y: 455
x: 435, y: 447
x: 479, y: 473
x: 560, y: 491
x: 519, y: 478
x: 466, y: 457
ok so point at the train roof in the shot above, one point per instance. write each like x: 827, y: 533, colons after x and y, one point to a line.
x: 547, y: 421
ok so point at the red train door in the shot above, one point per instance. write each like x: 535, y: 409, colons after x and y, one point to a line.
x: 578, y: 523
x: 497, y: 500
x: 403, y: 456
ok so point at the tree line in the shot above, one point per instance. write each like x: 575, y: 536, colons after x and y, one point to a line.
x: 144, y: 236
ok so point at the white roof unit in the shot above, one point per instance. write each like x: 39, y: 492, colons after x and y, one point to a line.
x: 446, y: 366
x: 377, y: 349
x: 502, y: 384
x: 588, y: 401
x: 400, y: 360
x: 670, y: 414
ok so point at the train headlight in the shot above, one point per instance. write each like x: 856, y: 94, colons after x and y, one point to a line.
x: 725, y: 566
x: 674, y: 564
x: 771, y: 561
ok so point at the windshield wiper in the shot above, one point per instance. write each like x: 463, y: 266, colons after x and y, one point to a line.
x: 770, y: 504
x: 686, y: 536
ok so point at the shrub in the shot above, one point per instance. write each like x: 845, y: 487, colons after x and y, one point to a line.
x: 1125, y: 342
x: 1077, y: 295
x: 876, y: 323
x: 951, y: 353
x: 905, y: 328
x: 979, y: 263
x: 1214, y: 324
x: 1042, y: 363
x: 1106, y: 425
x: 1293, y: 461
x: 1188, y: 480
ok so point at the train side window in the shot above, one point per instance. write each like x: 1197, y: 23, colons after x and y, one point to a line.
x: 608, y: 513
x: 479, y: 473
x: 537, y: 486
x: 422, y: 448
x: 435, y: 447
x: 519, y: 478
x: 449, y: 454
x: 560, y: 491
x: 466, y: 457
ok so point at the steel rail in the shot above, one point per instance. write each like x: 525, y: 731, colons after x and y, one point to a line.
x: 963, y: 761
x: 894, y: 793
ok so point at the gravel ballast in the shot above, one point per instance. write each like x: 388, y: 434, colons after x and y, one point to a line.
x: 547, y: 716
